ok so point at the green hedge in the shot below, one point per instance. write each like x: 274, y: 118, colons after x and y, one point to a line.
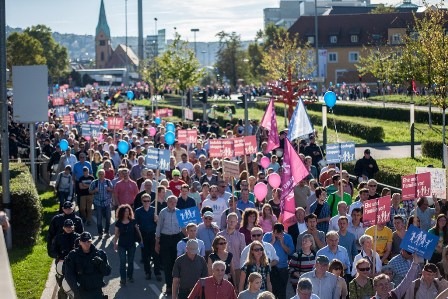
x: 432, y: 149
x: 26, y: 208
x: 362, y: 130
x: 368, y: 111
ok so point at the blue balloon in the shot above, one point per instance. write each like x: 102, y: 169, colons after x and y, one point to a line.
x: 123, y: 147
x: 109, y: 102
x: 81, y: 100
x: 330, y: 99
x: 170, y: 127
x: 63, y: 144
x: 169, y: 138
x: 130, y: 94
x: 157, y: 120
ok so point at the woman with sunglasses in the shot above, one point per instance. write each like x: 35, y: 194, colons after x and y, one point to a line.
x: 337, y: 269
x: 256, y: 261
x: 220, y: 253
x: 361, y: 287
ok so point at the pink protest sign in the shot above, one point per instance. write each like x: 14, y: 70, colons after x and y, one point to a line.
x: 164, y: 112
x: 58, y: 102
x: 250, y: 145
x: 376, y: 211
x: 115, y: 123
x: 416, y: 185
x: 68, y: 119
x: 182, y: 136
x: 227, y: 148
x: 215, y: 148
x: 238, y: 146
x: 187, y: 136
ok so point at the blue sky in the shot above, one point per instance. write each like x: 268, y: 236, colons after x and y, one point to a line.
x: 210, y: 16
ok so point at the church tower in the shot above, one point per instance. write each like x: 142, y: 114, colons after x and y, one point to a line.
x: 103, y: 48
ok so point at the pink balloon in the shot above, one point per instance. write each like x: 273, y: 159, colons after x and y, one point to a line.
x: 265, y: 162
x: 152, y: 131
x: 274, y: 180
x: 260, y: 191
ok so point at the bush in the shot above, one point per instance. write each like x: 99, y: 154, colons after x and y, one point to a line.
x: 432, y: 149
x: 394, y: 114
x: 26, y: 208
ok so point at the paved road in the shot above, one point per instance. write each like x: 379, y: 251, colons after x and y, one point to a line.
x: 389, y: 152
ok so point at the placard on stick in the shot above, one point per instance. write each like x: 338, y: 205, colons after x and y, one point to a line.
x: 438, y: 180
x: 231, y: 169
x: 376, y: 211
x: 416, y: 185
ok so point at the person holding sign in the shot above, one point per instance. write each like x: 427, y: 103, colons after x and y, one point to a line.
x: 383, y: 240
x: 424, y: 213
x: 400, y: 264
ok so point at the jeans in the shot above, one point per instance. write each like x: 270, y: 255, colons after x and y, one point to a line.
x: 126, y: 255
x: 102, y: 212
x: 63, y: 197
x: 148, y: 251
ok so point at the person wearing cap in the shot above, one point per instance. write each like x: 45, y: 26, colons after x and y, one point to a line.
x: 207, y: 231
x: 64, y: 186
x: 214, y: 286
x: 366, y: 167
x: 86, y: 199
x: 187, y: 270
x: 85, y: 268
x: 209, y: 177
x: 401, y: 264
x: 168, y: 234
x: 175, y: 185
x: 57, y: 223
x: 324, y: 283
x: 60, y: 248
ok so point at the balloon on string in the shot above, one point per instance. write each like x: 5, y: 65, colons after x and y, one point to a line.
x: 81, y: 100
x: 152, y: 131
x: 169, y: 138
x: 170, y: 127
x: 260, y: 191
x: 157, y: 120
x: 109, y: 102
x: 330, y: 99
x: 130, y: 94
x: 274, y: 180
x: 63, y: 144
x: 265, y: 162
x: 123, y: 147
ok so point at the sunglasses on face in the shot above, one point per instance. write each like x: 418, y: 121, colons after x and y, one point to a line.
x: 256, y: 235
x: 222, y: 243
x: 364, y: 269
x: 258, y: 249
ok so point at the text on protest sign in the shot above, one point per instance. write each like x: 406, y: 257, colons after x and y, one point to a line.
x: 123, y: 109
x: 88, y: 101
x: 231, y: 169
x: 164, y: 112
x: 376, y: 211
x: 227, y: 148
x: 420, y: 242
x: 61, y: 111
x: 340, y: 152
x: 81, y: 117
x: 214, y: 148
x: 115, y: 123
x: 438, y: 180
x: 187, y: 136
x: 58, y: 102
x: 157, y: 159
x: 238, y: 147
x: 94, y: 106
x: 68, y: 119
x: 138, y: 111
x: 188, y: 114
x: 90, y: 130
x: 416, y: 185
x: 188, y: 215
x: 250, y: 145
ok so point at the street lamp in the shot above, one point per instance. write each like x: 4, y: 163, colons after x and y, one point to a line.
x: 126, y: 30
x: 194, y: 30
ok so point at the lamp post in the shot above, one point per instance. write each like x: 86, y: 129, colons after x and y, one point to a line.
x: 194, y: 30
x: 126, y: 39
x: 316, y: 43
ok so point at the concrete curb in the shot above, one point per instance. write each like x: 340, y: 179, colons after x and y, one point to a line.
x: 51, y: 286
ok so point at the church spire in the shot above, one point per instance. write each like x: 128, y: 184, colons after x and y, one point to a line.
x: 102, y: 22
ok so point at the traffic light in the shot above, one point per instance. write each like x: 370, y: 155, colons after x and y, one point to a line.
x: 241, y: 100
x: 203, y: 96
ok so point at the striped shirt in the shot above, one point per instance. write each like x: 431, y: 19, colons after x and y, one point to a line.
x: 300, y: 263
x: 102, y: 198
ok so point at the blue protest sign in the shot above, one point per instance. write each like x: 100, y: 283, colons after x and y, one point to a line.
x: 138, y: 111
x: 85, y: 130
x: 158, y: 159
x: 164, y: 159
x: 189, y: 215
x: 95, y: 130
x: 340, y: 152
x: 420, y: 242
x: 81, y: 117
x: 61, y: 111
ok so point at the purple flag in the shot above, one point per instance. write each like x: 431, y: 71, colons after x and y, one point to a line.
x: 269, y: 122
x: 266, y: 120
x: 293, y: 172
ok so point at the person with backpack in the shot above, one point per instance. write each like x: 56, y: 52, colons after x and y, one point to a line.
x: 64, y: 186
x: 429, y: 285
x: 102, y: 190
x: 302, y: 261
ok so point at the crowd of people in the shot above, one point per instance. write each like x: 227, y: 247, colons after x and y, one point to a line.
x: 241, y: 247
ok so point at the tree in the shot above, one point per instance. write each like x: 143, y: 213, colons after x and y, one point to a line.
x: 178, y: 66
x: 382, y: 9
x: 55, y: 54
x: 286, y: 54
x: 23, y: 49
x: 231, y: 59
x: 150, y: 73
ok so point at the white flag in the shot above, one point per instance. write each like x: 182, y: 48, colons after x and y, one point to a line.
x: 300, y: 124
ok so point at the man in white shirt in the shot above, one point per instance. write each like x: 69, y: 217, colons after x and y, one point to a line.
x: 342, y: 211
x: 185, y: 164
x: 257, y: 235
x: 218, y: 204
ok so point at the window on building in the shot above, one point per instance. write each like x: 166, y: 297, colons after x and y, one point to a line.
x: 311, y: 40
x: 102, y: 42
x: 332, y: 57
x: 354, y: 38
x: 396, y: 39
x: 102, y: 56
x: 333, y: 39
x: 353, y: 57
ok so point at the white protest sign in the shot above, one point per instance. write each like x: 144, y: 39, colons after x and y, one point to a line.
x: 123, y: 109
x: 438, y: 180
x: 188, y: 114
x: 231, y: 169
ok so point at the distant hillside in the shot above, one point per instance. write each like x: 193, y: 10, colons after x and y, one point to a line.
x: 81, y: 46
